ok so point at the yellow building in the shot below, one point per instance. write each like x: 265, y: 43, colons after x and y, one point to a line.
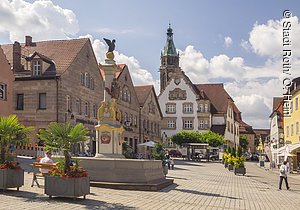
x: 291, y: 123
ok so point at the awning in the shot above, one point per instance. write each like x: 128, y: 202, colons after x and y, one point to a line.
x: 291, y: 147
x: 148, y: 144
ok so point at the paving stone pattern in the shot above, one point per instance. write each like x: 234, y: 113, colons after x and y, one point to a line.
x: 198, y: 185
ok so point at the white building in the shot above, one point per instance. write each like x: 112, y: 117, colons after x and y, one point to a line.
x: 188, y: 106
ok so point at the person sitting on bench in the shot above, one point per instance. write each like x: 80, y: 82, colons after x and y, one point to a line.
x: 46, y: 159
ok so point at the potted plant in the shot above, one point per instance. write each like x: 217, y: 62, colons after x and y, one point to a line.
x: 225, y: 157
x: 11, y: 133
x: 230, y: 163
x: 67, y: 179
x: 239, y: 166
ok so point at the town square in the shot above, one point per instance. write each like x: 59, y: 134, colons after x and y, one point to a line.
x: 139, y: 105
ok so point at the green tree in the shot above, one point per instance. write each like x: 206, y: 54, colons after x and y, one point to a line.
x: 239, y: 152
x: 158, y: 152
x: 186, y: 137
x: 11, y: 132
x: 244, y: 142
x: 213, y: 139
x: 256, y: 140
x: 127, y: 150
x: 229, y: 150
x: 59, y: 136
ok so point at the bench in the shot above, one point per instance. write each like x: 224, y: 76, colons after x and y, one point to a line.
x: 37, y: 174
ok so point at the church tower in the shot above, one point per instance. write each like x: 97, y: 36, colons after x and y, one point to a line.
x: 169, y: 60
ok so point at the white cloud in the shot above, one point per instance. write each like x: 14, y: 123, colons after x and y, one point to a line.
x: 40, y: 19
x: 254, y: 109
x: 252, y: 87
x: 227, y: 41
x: 267, y: 39
x: 139, y: 75
x: 200, y: 70
x: 248, y: 85
x: 245, y: 44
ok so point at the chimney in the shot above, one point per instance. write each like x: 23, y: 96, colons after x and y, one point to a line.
x: 28, y: 41
x: 17, y: 57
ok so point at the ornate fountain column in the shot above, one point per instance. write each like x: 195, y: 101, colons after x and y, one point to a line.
x: 109, y: 130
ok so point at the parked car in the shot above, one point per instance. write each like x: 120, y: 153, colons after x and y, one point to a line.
x: 248, y: 155
x: 254, y: 157
x: 175, y: 153
x: 214, y: 156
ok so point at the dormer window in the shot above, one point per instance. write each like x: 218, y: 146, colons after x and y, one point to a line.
x: 37, y: 67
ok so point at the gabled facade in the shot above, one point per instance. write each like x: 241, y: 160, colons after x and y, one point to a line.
x: 56, y: 81
x: 128, y: 105
x: 276, y: 128
x: 246, y: 130
x: 150, y: 115
x: 6, y: 86
x: 276, y: 124
x: 188, y: 106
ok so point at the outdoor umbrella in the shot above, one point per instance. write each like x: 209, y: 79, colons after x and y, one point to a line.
x: 283, y: 154
x: 148, y: 144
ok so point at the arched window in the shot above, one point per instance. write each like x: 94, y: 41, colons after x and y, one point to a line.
x: 124, y: 94
x: 82, y: 78
x: 86, y: 79
x: 121, y: 94
x: 128, y: 96
x: 126, y: 117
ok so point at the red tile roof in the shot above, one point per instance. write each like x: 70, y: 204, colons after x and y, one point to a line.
x: 217, y: 95
x: 142, y: 93
x: 276, y: 102
x: 62, y: 52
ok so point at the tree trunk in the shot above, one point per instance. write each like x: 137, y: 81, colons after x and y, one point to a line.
x: 67, y: 161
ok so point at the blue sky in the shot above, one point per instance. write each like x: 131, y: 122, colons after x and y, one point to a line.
x: 248, y: 63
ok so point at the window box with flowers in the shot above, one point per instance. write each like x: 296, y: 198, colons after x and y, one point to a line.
x: 67, y: 179
x: 11, y: 133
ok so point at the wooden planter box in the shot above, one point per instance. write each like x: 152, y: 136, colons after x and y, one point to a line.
x: 230, y: 167
x: 225, y: 165
x: 11, y: 178
x: 240, y: 170
x: 67, y: 187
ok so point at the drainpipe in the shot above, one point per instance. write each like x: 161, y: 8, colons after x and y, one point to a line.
x: 140, y: 124
x: 56, y: 79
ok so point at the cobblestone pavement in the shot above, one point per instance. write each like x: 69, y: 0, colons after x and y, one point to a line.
x: 197, y: 186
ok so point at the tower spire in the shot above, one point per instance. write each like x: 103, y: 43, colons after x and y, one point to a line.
x: 169, y: 48
x: 169, y: 60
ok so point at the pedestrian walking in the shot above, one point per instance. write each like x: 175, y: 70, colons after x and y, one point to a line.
x: 283, y: 175
x: 172, y: 163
